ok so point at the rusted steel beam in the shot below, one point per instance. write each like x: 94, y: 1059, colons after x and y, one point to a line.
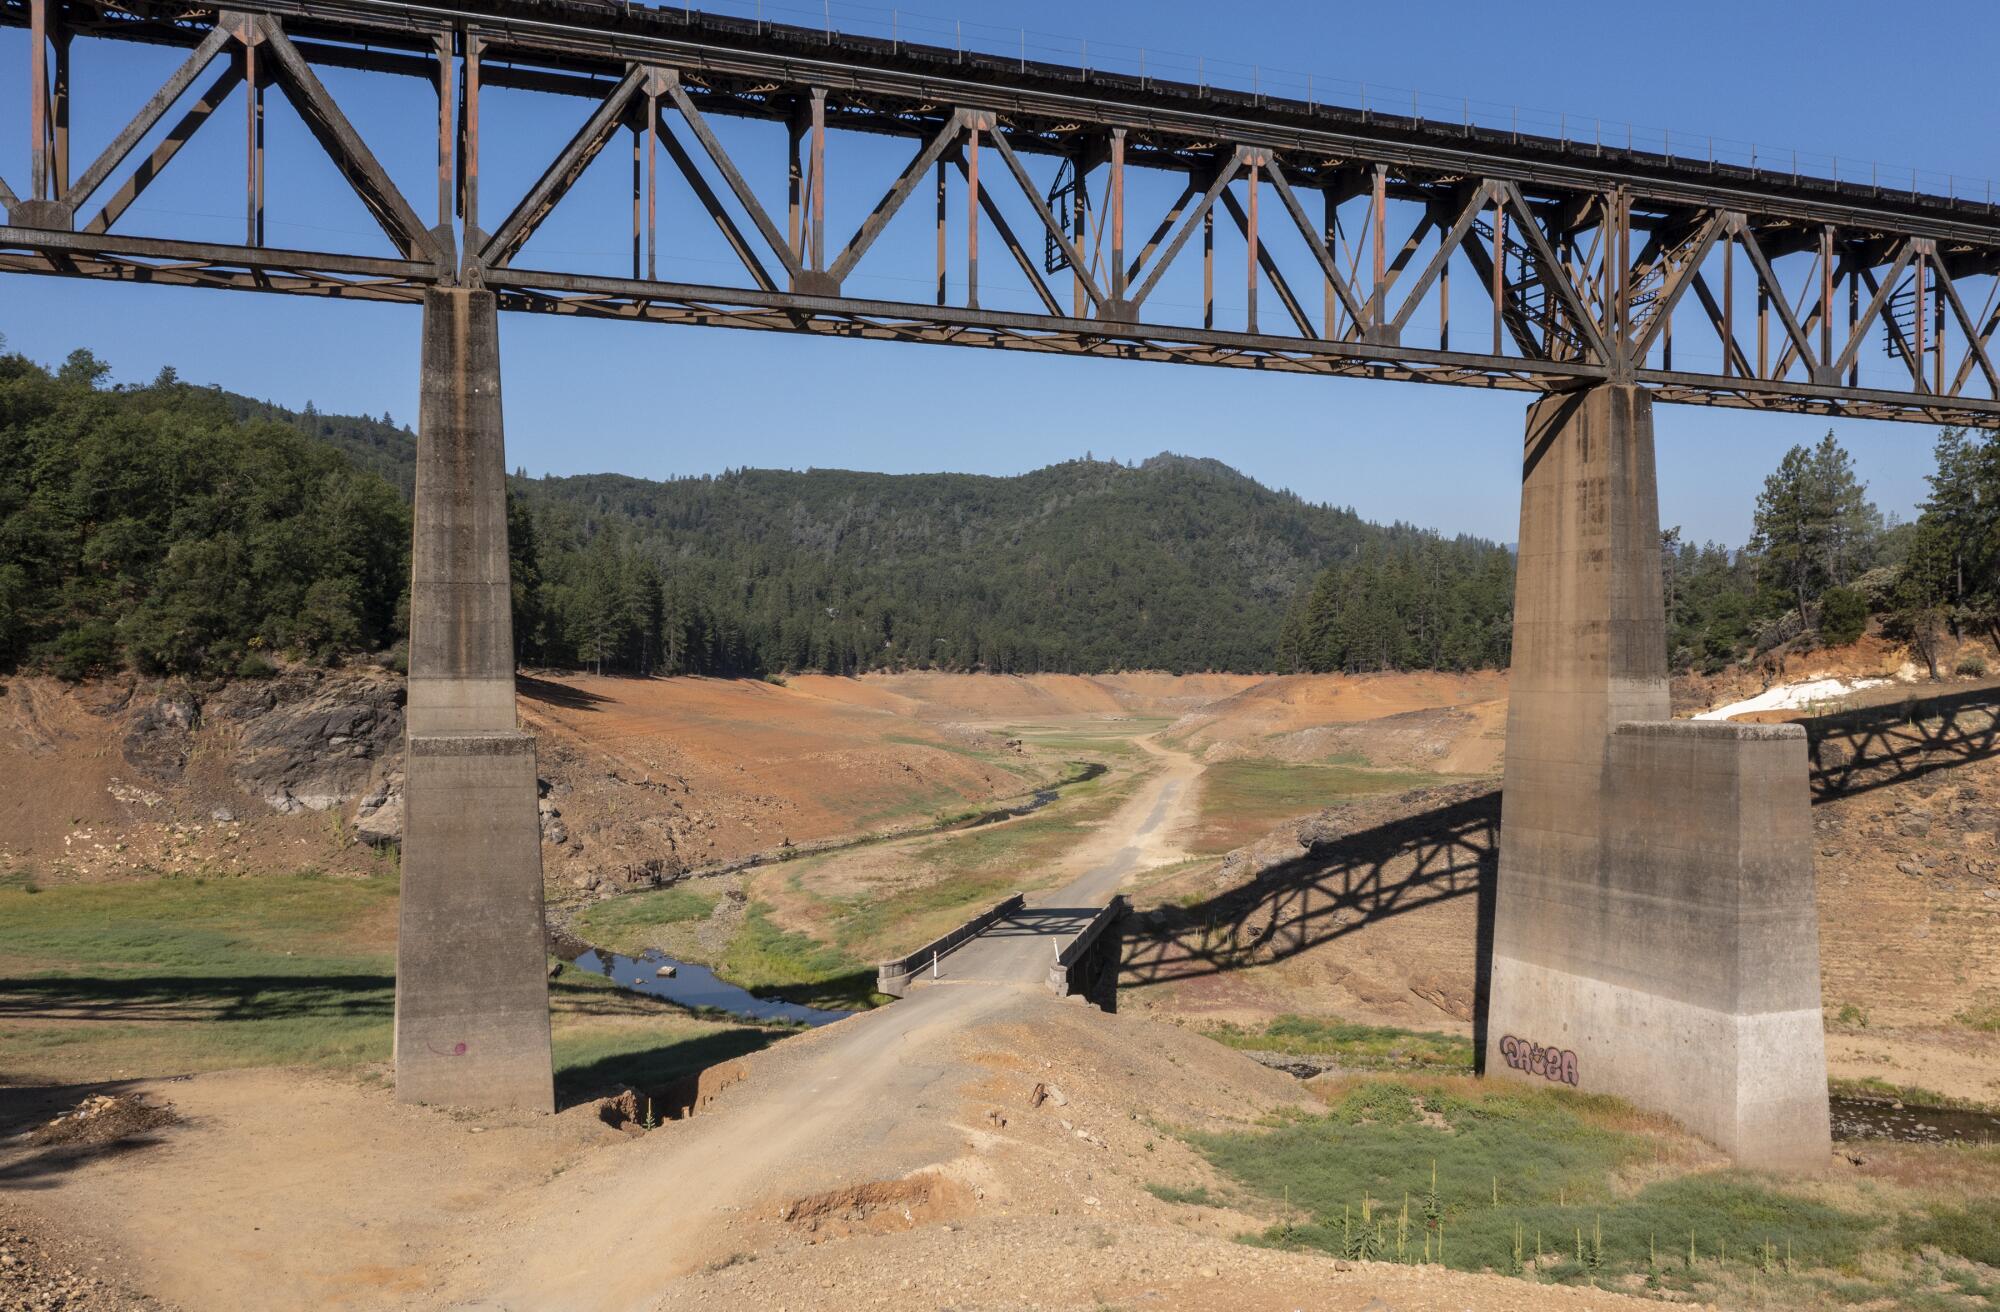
x: 177, y: 136
x: 148, y: 116
x: 562, y: 172
x: 716, y: 211
x: 885, y: 209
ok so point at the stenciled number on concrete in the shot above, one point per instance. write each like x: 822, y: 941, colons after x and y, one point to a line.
x: 1549, y: 1063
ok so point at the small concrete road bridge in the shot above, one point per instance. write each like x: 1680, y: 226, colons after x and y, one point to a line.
x: 1655, y: 934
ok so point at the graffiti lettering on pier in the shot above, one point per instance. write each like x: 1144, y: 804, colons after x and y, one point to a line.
x: 1549, y: 1063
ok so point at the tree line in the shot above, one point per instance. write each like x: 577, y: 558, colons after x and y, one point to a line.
x: 178, y: 529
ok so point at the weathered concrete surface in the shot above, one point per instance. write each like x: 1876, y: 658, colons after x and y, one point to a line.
x: 1655, y: 934
x: 461, y: 616
x: 472, y: 1018
x: 472, y: 998
x: 894, y: 976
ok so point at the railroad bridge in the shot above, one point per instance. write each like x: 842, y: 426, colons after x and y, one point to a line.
x: 1655, y: 931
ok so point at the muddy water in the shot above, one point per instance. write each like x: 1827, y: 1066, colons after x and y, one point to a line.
x: 696, y: 986
x: 1866, y: 1118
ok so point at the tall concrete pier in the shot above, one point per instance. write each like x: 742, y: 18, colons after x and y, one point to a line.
x: 1655, y: 933
x: 472, y: 1003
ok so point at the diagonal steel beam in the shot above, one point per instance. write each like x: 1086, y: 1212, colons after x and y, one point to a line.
x: 177, y: 136
x: 1975, y: 343
x: 871, y: 228
x: 1553, y: 273
x: 727, y: 167
x: 1224, y: 174
x: 1453, y: 238
x: 1991, y: 314
x: 1271, y: 270
x: 7, y: 196
x: 1328, y: 266
x: 1167, y: 222
x: 562, y: 172
x: 1068, y: 248
x: 343, y: 145
x: 1730, y: 346
x: 1007, y: 239
x: 1663, y: 308
x: 1779, y: 299
x: 716, y: 210
x: 1876, y: 302
x: 148, y: 117
x: 1511, y: 315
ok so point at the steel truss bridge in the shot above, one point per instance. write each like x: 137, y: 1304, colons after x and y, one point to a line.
x: 1405, y: 249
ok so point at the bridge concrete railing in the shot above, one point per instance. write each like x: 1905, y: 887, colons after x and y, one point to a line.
x: 893, y: 976
x: 1068, y: 973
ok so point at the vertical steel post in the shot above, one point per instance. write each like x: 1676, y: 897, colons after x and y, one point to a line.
x: 940, y: 232
x: 1938, y: 339
x: 1250, y: 235
x: 1118, y: 214
x: 1444, y: 305
x: 1826, y: 296
x: 253, y: 151
x: 638, y: 200
x: 468, y: 163
x: 1853, y: 317
x: 1330, y: 315
x: 1208, y: 268
x: 59, y: 113
x: 652, y: 184
x: 1499, y: 271
x: 1919, y: 309
x: 795, y: 128
x: 1729, y: 302
x: 972, y: 215
x: 819, y: 179
x: 447, y: 93
x: 1378, y: 220
x: 38, y: 97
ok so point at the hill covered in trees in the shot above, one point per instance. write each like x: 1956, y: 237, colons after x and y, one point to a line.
x: 180, y: 529
x: 175, y: 528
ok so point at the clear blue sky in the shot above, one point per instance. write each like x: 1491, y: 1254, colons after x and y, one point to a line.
x: 585, y: 396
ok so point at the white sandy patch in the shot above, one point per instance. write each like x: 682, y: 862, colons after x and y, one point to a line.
x: 1792, y: 696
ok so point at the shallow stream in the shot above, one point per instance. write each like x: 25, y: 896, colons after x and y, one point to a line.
x: 695, y: 986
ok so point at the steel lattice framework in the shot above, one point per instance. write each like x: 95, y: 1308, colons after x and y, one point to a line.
x: 1587, y: 262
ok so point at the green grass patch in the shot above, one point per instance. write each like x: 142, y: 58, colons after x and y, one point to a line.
x: 1873, y: 1086
x: 774, y: 962
x: 1986, y: 1019
x: 632, y: 924
x: 1241, y: 799
x: 1199, y: 1196
x: 1482, y: 1174
x: 1971, y: 1232
x: 1357, y: 1047
x: 181, y: 975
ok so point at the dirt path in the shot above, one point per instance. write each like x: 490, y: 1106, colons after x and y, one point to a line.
x: 1139, y: 834
x: 864, y: 1099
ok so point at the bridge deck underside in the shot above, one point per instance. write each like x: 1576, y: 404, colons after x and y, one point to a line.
x: 1133, y: 219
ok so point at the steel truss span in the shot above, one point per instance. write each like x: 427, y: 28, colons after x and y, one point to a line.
x: 1351, y: 243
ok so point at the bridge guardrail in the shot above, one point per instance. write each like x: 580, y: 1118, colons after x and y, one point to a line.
x: 893, y: 976
x: 1062, y: 970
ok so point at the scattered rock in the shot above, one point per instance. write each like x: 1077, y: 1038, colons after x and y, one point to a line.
x: 105, y: 1118
x: 1042, y: 1093
x: 162, y: 736
x: 667, y: 972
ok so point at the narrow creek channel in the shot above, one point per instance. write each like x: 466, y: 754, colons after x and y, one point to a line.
x: 695, y: 986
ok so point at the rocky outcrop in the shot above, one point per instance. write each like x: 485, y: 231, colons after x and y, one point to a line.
x: 317, y: 740
x: 161, y: 736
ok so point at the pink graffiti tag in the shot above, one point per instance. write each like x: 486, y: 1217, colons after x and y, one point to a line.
x: 457, y: 1049
x: 1558, y: 1064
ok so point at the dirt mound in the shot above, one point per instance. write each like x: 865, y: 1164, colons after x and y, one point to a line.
x: 878, y: 1207
x: 103, y: 1119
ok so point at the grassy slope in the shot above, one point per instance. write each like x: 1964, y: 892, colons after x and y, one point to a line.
x: 1242, y: 800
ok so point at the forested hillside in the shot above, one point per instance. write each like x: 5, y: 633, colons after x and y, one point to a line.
x: 179, y: 529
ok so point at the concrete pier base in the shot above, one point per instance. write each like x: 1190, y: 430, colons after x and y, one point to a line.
x: 472, y: 1006
x: 1655, y: 934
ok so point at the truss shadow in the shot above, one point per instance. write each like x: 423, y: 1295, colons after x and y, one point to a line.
x: 1858, y: 751
x: 1343, y: 882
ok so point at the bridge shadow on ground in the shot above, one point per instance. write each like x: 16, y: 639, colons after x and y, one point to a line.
x: 1346, y: 879
x: 557, y: 694
x: 1857, y: 751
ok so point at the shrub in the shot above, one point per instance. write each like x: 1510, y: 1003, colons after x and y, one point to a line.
x: 1972, y: 664
x: 1971, y: 1232
x: 1843, y: 616
x: 254, y: 666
